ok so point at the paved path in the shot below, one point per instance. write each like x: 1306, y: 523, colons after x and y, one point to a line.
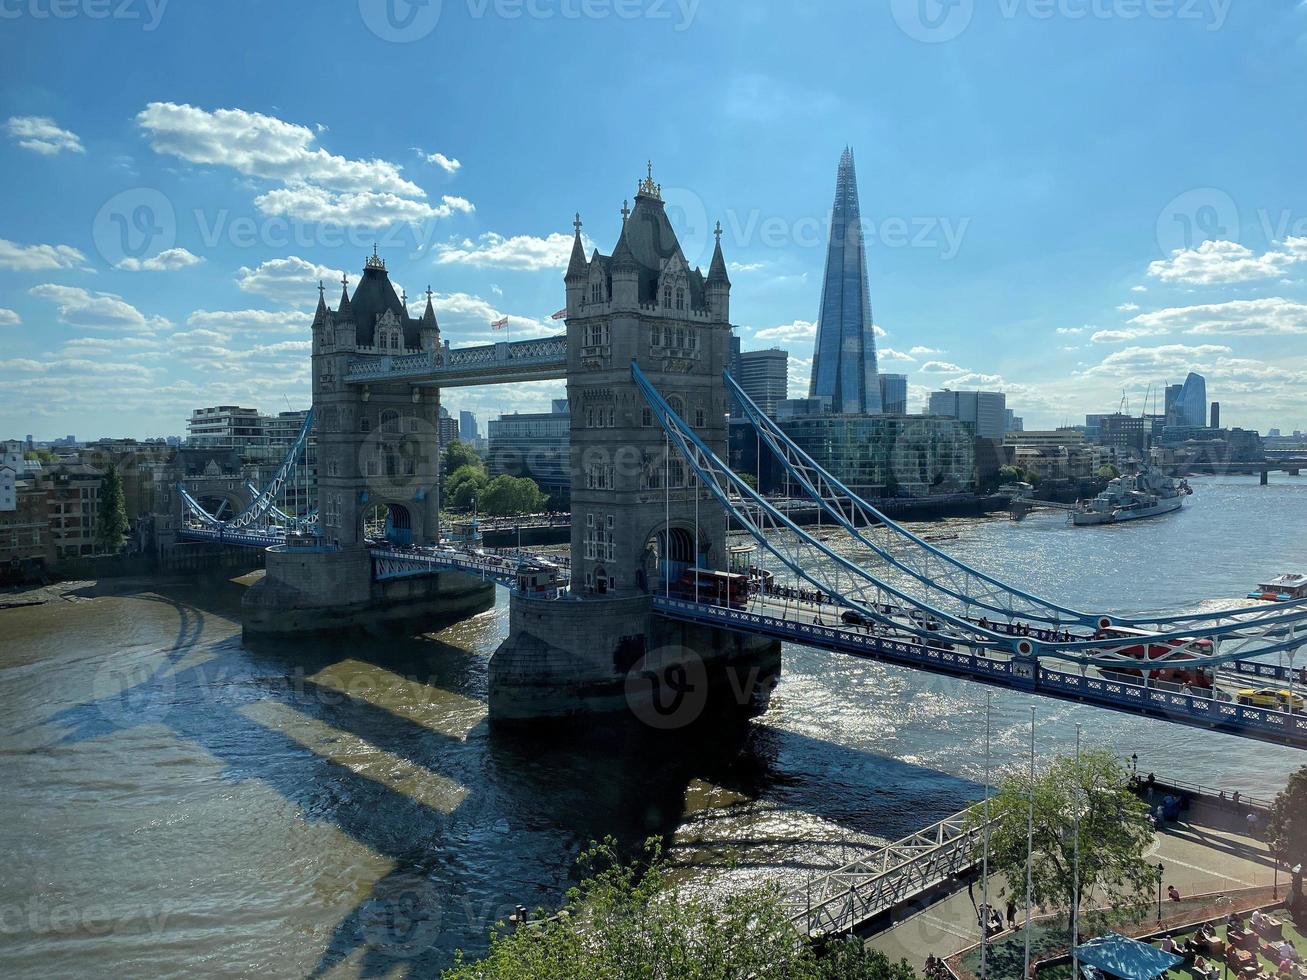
x: 1205, y: 852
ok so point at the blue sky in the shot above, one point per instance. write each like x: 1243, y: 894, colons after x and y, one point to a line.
x: 1063, y: 198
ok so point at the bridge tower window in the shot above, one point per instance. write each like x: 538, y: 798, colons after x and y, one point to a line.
x: 390, y: 421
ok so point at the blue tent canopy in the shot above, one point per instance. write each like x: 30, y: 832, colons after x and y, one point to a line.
x: 1121, y: 956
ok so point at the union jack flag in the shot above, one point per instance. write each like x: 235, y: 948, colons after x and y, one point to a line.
x: 499, y: 324
x: 560, y: 314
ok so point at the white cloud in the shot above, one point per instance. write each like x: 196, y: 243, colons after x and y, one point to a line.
x: 38, y: 258
x: 291, y: 280
x: 940, y: 367
x: 1249, y: 317
x: 878, y: 331
x: 166, y: 261
x: 465, y: 319
x: 1071, y: 331
x: 251, y: 321
x: 890, y: 354
x: 1126, y: 334
x: 1138, y: 289
x: 921, y: 351
x: 263, y: 146
x: 308, y: 202
x: 518, y: 252
x: 317, y: 185
x: 1128, y: 307
x: 82, y: 308
x: 447, y: 164
x: 1227, y: 262
x: 796, y: 330
x: 41, y: 135
x: 8, y: 318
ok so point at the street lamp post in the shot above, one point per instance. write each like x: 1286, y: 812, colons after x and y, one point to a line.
x: 1161, y: 869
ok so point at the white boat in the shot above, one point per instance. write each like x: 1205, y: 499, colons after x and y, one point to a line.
x: 1147, y: 493
x: 1282, y: 588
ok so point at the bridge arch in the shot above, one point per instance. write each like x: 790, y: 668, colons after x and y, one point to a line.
x: 389, y: 520
x: 669, y: 550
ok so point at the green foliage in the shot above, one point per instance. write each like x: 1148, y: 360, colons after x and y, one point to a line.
x: 749, y: 479
x: 1108, y: 471
x: 508, y: 496
x: 111, y: 527
x: 1287, y: 827
x: 1009, y: 473
x: 459, y: 454
x: 629, y: 921
x: 1114, y: 834
x: 463, y: 484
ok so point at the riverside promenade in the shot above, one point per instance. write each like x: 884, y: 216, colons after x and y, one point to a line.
x: 1207, y: 852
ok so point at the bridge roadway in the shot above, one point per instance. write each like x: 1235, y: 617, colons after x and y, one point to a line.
x: 820, y: 626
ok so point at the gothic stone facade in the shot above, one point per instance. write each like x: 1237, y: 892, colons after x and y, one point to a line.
x: 378, y: 445
x: 642, y: 303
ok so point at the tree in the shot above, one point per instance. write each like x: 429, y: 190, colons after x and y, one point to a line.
x: 1287, y: 827
x: 509, y: 496
x: 1015, y: 474
x: 1114, y: 834
x: 1108, y: 471
x: 630, y: 920
x: 111, y: 527
x: 466, y: 490
x: 459, y: 454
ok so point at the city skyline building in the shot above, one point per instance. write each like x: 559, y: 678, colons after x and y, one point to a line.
x: 764, y: 376
x: 894, y: 394
x: 467, y: 426
x: 844, y: 371
x: 1191, y: 403
x: 986, y: 410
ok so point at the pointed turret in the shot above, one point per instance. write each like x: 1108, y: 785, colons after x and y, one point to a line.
x: 320, y: 314
x: 428, y: 328
x: 625, y: 272
x: 576, y: 266
x: 717, y: 287
x: 344, y: 311
x: 343, y: 320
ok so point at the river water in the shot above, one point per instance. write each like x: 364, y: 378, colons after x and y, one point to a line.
x: 176, y: 803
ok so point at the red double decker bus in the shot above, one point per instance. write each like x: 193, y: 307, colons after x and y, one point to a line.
x: 714, y: 587
x: 1174, y: 670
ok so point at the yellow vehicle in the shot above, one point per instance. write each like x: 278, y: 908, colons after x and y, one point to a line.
x: 1269, y: 697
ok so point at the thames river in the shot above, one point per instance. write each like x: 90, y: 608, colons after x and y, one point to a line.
x: 176, y: 803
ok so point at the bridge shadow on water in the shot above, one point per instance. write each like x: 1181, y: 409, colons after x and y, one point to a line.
x: 485, y: 818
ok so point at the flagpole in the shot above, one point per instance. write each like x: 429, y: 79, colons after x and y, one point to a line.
x: 1075, y: 873
x: 1030, y: 839
x: 984, y: 866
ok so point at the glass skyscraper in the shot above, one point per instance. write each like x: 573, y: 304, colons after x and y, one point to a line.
x: 844, y: 359
x: 1191, y: 404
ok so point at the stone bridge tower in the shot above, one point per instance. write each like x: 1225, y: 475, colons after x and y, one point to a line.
x: 378, y: 460
x: 637, y: 521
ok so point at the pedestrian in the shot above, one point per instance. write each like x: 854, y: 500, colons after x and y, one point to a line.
x: 1011, y: 914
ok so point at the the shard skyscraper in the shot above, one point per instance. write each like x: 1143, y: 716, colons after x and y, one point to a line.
x: 844, y: 358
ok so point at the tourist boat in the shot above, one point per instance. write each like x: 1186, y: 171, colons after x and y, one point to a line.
x: 1282, y: 588
x: 1147, y: 493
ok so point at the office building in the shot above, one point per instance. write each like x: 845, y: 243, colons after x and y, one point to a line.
x: 467, y: 427
x: 535, y: 445
x: 1216, y: 415
x: 894, y: 394
x: 764, y: 376
x: 889, y: 455
x: 1191, y: 404
x: 985, y: 410
x: 1012, y: 422
x: 844, y: 356
x: 255, y: 436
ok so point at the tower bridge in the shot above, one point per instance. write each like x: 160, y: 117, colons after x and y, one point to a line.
x: 647, y: 596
